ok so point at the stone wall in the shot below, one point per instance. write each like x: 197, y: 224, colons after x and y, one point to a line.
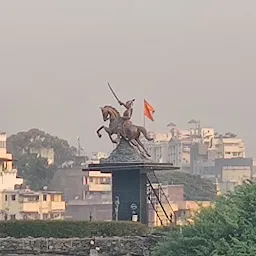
x: 115, y: 246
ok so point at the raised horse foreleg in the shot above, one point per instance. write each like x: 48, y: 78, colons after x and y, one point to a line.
x: 98, y: 131
x: 108, y: 131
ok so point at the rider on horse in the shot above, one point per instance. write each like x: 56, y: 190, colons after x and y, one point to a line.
x: 127, y: 115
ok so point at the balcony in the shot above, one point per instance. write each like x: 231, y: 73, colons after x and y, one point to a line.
x: 57, y: 206
x: 99, y: 187
x: 30, y: 207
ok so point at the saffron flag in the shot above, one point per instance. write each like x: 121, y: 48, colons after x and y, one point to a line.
x: 148, y: 110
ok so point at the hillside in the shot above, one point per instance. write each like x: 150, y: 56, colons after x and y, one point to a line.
x: 195, y: 187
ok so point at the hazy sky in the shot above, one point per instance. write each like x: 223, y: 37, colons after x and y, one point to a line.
x: 189, y: 59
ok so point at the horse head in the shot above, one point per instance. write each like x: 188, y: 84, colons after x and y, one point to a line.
x: 109, y: 112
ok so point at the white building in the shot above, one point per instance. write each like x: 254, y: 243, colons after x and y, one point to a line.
x: 97, y: 156
x: 8, y: 174
x: 179, y: 151
x: 229, y: 147
x: 175, y: 146
x: 24, y: 204
x: 158, y: 148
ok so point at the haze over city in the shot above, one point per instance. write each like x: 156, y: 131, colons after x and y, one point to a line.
x: 189, y: 59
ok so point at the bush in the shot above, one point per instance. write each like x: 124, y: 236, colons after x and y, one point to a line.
x: 68, y: 229
x: 228, y: 228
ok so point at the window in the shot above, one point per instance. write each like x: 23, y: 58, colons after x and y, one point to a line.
x: 91, y: 179
x: 45, y: 216
x: 2, y: 144
x: 84, y: 180
x: 84, y: 195
x: 12, y: 217
x: 6, y: 198
x: 105, y: 180
x: 44, y: 197
x: 13, y: 197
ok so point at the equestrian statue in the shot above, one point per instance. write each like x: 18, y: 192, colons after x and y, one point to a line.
x: 122, y: 125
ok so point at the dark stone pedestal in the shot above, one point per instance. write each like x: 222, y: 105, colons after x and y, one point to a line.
x: 130, y: 187
x: 129, y: 181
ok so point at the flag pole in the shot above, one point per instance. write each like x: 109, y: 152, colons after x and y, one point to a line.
x: 144, y: 118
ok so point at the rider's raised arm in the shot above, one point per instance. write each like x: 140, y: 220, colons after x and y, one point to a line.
x: 122, y: 104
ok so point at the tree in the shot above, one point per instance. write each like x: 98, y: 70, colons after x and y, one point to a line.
x: 31, y: 167
x: 35, y: 170
x: 195, y: 187
x: 22, y: 142
x: 226, y: 229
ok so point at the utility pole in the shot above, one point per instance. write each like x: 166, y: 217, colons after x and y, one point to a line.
x: 78, y: 146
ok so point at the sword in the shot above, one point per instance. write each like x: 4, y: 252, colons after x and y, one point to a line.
x: 113, y: 93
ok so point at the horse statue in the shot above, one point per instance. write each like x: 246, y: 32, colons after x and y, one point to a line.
x: 123, y: 128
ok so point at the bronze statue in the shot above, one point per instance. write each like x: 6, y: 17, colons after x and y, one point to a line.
x: 127, y: 115
x: 122, y: 126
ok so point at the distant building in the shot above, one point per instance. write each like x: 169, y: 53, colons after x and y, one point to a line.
x: 24, y: 204
x: 82, y: 189
x: 229, y: 147
x: 229, y: 172
x: 203, y: 156
x: 8, y: 174
x: 47, y: 153
x: 188, y: 148
x: 97, y: 156
x: 179, y: 151
x: 180, y: 209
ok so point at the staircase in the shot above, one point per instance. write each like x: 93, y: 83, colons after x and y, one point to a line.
x: 159, y: 201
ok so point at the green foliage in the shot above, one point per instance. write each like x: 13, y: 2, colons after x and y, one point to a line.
x: 227, y: 229
x: 23, y: 142
x: 35, y: 170
x: 69, y: 229
x: 195, y: 187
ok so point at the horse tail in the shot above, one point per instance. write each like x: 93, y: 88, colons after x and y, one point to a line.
x: 142, y: 130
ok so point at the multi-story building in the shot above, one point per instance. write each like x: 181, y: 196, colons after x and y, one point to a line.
x: 163, y: 143
x: 176, y: 206
x: 175, y: 145
x: 179, y: 151
x: 158, y: 148
x: 204, y: 155
x: 24, y: 204
x: 229, y: 172
x: 229, y: 147
x: 8, y: 174
x: 87, y: 192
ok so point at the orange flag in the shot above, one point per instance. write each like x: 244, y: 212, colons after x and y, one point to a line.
x: 148, y: 110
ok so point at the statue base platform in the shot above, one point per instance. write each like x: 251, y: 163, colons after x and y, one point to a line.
x: 129, y: 181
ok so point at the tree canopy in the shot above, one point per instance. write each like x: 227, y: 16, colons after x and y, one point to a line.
x: 195, y: 187
x: 22, y: 142
x: 33, y: 168
x: 226, y: 229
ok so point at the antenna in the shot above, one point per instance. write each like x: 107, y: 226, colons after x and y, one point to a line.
x: 78, y: 146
